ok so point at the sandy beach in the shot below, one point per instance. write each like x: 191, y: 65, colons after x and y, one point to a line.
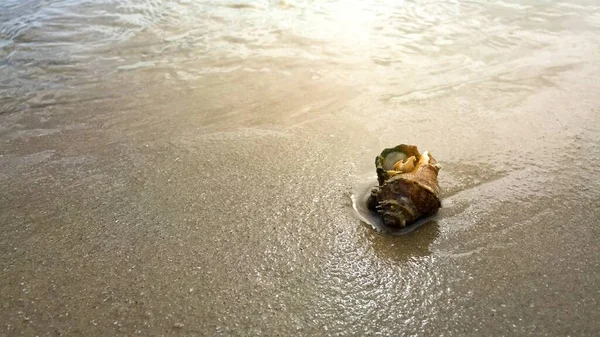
x: 186, y: 169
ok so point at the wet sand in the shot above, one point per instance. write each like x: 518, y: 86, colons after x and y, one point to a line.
x: 159, y: 187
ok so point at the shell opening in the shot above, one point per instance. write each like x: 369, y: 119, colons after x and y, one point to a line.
x: 392, y: 158
x: 406, y: 165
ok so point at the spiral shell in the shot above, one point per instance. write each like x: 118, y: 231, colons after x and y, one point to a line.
x: 408, y: 188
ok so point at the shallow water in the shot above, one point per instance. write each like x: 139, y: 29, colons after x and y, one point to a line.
x: 186, y: 167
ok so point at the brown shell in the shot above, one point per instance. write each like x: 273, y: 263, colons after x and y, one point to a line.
x: 404, y: 197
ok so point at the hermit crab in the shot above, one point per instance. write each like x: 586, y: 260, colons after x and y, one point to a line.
x: 408, y: 188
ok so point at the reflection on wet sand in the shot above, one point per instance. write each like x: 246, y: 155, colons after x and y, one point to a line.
x: 402, y: 248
